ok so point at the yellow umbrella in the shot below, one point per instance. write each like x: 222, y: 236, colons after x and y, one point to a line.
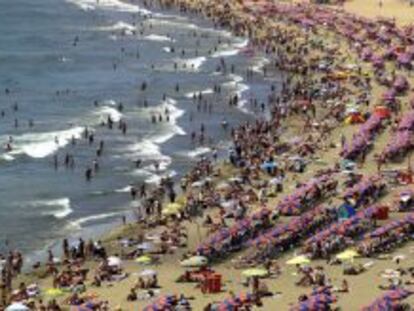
x: 255, y: 272
x: 54, y: 292
x: 182, y: 200
x: 172, y: 208
x: 144, y: 259
x: 348, y: 254
x: 195, y: 261
x: 298, y: 260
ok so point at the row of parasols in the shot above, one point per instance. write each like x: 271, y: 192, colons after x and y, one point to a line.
x: 220, y: 243
x: 402, y: 141
x: 385, y: 235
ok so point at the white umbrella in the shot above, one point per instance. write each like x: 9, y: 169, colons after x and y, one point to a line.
x: 235, y: 179
x: 398, y: 257
x: 198, y: 184
x: 114, y: 261
x: 148, y: 272
x: 145, y: 246
x: 17, y: 306
x: 196, y: 261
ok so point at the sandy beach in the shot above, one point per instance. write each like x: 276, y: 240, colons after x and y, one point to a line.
x: 306, y: 136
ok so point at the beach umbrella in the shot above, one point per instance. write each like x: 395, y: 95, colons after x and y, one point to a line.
x: 348, y: 254
x: 268, y: 165
x: 148, y: 272
x: 145, y: 246
x: 172, y: 208
x: 195, y: 261
x: 255, y: 272
x: 143, y: 260
x: 114, y: 261
x: 54, y: 292
x: 198, y: 184
x: 397, y: 294
x: 17, y: 306
x: 298, y: 260
x: 235, y: 179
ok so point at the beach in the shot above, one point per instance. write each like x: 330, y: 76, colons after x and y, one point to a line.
x: 303, y: 198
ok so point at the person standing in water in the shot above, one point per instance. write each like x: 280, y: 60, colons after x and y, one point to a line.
x: 88, y: 174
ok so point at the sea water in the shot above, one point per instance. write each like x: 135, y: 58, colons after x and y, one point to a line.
x: 57, y: 58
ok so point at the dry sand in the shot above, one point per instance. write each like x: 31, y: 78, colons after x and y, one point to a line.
x: 398, y: 9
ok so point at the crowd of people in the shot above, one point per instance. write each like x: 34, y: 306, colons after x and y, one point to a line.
x: 312, y: 91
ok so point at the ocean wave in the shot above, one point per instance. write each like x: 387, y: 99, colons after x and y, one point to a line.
x: 239, y: 89
x: 6, y: 157
x: 167, y: 130
x: 259, y: 64
x: 59, y: 208
x: 149, y: 149
x: 233, y: 49
x: 109, y: 102
x: 191, y: 63
x: 241, y: 44
x: 113, y: 5
x: 198, y: 152
x: 167, y: 49
x: 191, y: 94
x: 225, y: 53
x: 112, y: 112
x: 164, y: 15
x: 156, y: 179
x: 159, y: 38
x: 186, y: 25
x: 119, y: 26
x: 123, y: 190
x: 40, y: 145
x: 79, y: 222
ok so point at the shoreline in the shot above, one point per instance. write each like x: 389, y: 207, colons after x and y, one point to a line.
x: 296, y: 125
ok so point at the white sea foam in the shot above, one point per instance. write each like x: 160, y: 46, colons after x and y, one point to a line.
x: 156, y: 179
x: 78, y: 223
x: 40, y: 145
x: 191, y: 63
x: 149, y: 148
x: 225, y: 53
x: 113, y: 5
x: 239, y: 89
x: 156, y: 21
x: 119, y: 26
x: 109, y: 102
x: 6, y: 157
x: 167, y: 129
x: 259, y: 64
x: 191, y: 94
x: 112, y: 112
x: 167, y: 49
x: 198, y: 152
x: 58, y: 208
x: 124, y: 190
x: 233, y: 49
x: 241, y: 44
x: 159, y: 38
